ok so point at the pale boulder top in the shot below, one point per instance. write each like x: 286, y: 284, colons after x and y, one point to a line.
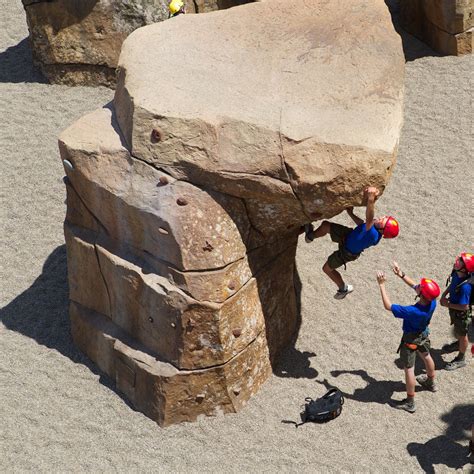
x: 326, y: 69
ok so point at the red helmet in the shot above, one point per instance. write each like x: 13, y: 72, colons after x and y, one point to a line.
x: 390, y: 227
x: 468, y: 260
x: 429, y: 289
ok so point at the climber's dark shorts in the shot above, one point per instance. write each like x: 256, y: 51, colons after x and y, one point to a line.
x: 461, y: 321
x: 341, y: 256
x: 407, y: 353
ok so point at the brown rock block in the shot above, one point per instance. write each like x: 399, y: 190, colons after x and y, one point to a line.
x: 158, y: 389
x: 179, y: 223
x: 247, y: 118
x: 86, y: 283
x: 450, y: 16
x: 445, y: 25
x: 188, y: 333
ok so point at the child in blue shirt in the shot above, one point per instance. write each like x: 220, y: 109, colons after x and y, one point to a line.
x: 415, y: 339
x: 352, y: 242
x: 456, y: 298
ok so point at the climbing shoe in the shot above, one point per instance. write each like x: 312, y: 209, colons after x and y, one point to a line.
x: 427, y: 383
x: 456, y: 363
x: 405, y: 404
x: 341, y: 294
x: 308, y: 233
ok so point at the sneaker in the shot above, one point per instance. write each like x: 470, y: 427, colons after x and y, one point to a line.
x: 308, y: 233
x: 405, y: 404
x: 341, y: 294
x: 451, y: 347
x: 427, y: 383
x: 456, y: 364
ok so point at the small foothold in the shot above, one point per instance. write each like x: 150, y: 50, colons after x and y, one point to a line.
x: 163, y: 231
x: 231, y: 286
x: 156, y: 135
x: 173, y: 325
x: 237, y: 332
x: 181, y: 202
x: 163, y: 180
x: 208, y: 247
x: 66, y: 180
x: 150, y: 319
x: 236, y: 391
x: 200, y: 397
x: 68, y: 165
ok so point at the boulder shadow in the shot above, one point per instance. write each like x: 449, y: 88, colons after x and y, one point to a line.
x: 449, y: 449
x: 42, y: 313
x: 16, y: 65
x: 291, y: 362
x: 413, y: 48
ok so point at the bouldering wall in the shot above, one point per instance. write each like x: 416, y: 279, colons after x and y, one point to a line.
x: 186, y: 194
x: 447, y: 26
x: 77, y: 42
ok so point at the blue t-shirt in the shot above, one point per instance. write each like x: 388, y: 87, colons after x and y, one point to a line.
x: 360, y: 239
x: 460, y: 295
x: 416, y: 318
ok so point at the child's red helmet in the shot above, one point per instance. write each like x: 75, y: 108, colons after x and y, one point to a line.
x: 468, y: 260
x: 390, y: 227
x: 429, y: 289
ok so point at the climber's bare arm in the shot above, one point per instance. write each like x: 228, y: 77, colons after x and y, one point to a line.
x: 372, y: 193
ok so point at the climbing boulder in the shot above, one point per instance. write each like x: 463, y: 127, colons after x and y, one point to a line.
x: 187, y: 194
x: 311, y: 118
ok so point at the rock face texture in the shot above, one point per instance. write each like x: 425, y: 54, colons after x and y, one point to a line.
x: 78, y: 42
x: 445, y: 25
x: 185, y: 196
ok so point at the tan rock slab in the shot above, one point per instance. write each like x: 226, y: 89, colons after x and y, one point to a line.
x: 177, y: 222
x: 229, y: 117
x: 158, y: 389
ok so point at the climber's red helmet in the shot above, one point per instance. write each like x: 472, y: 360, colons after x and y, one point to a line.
x: 463, y: 261
x: 389, y: 226
x: 429, y: 289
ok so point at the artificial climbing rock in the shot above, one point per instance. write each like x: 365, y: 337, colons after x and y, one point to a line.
x: 186, y: 195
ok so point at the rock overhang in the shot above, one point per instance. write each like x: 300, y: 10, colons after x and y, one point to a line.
x: 298, y: 112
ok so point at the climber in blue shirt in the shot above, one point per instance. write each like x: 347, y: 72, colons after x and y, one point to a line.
x: 415, y: 338
x: 352, y: 242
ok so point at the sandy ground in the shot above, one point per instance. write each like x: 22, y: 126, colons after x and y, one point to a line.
x: 58, y: 413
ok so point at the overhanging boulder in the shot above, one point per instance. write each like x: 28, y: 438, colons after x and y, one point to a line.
x: 185, y: 196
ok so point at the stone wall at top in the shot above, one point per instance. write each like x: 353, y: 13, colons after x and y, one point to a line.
x: 447, y: 26
x: 78, y: 42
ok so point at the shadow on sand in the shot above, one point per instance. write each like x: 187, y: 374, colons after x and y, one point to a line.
x: 446, y: 449
x: 41, y: 313
x: 16, y: 65
x: 375, y: 391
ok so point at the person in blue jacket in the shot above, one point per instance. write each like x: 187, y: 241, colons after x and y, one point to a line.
x: 353, y: 241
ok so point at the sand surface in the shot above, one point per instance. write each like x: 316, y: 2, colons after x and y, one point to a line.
x: 59, y: 413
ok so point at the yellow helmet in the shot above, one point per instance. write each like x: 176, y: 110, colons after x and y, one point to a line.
x: 175, y: 6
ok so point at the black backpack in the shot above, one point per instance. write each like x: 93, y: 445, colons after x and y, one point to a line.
x: 323, y: 409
